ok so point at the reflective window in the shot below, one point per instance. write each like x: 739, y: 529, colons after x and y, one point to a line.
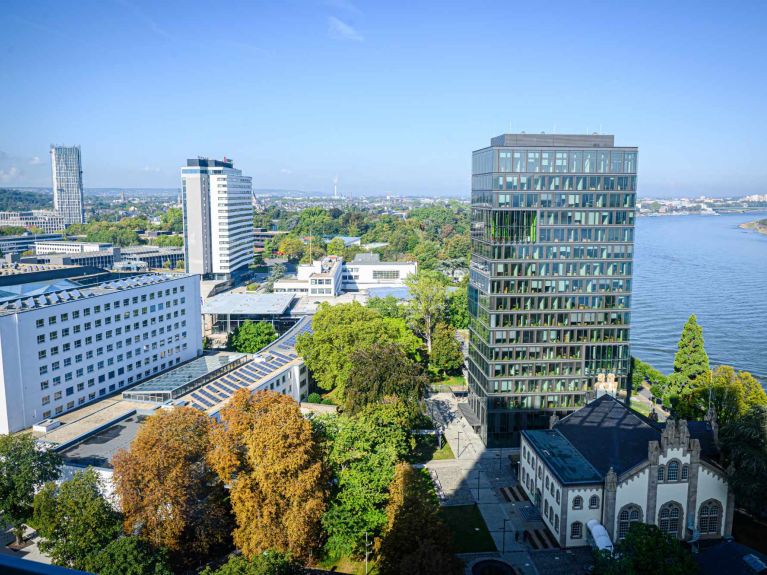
x: 603, y: 158
x: 576, y: 161
x: 589, y: 162
x: 533, y: 161
x: 547, y: 161
x: 616, y: 162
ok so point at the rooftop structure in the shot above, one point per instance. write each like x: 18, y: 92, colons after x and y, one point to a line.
x: 248, y: 304
x: 177, y: 382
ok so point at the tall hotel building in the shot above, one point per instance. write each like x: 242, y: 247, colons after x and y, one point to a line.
x: 550, y: 291
x: 67, y: 174
x: 65, y: 345
x: 218, y: 219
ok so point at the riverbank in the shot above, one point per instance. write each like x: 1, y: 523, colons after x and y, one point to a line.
x: 758, y: 226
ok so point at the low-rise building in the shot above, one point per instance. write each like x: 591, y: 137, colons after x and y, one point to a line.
x: 44, y: 220
x: 65, y: 247
x: 319, y: 278
x: 604, y: 466
x: 24, y: 242
x: 64, y: 346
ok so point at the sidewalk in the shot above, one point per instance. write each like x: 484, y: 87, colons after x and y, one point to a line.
x: 475, y: 476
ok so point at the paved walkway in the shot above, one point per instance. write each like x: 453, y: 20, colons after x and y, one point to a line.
x: 477, y: 476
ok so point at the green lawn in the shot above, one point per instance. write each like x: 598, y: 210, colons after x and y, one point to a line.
x: 470, y: 534
x: 640, y: 407
x: 426, y: 450
x: 347, y: 566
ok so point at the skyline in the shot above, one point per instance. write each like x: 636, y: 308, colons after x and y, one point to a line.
x: 389, y: 99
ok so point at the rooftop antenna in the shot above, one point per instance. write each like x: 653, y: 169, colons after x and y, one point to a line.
x: 335, y: 188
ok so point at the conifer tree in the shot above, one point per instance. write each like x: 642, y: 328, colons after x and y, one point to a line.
x: 691, y: 359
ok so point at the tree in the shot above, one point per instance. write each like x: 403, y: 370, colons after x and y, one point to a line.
x: 74, y: 520
x: 744, y: 450
x: 337, y: 331
x: 446, y: 353
x: 251, y: 337
x: 265, y: 450
x: 427, y: 306
x: 173, y: 220
x: 24, y: 468
x: 383, y: 371
x: 363, y: 453
x: 646, y: 550
x: 129, y: 555
x: 729, y: 392
x: 268, y: 563
x: 690, y: 361
x: 458, y: 307
x: 292, y: 248
x: 415, y: 539
x: 168, y: 493
x: 386, y: 306
x: 336, y: 247
x: 277, y: 271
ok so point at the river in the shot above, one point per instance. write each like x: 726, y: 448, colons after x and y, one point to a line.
x: 708, y: 266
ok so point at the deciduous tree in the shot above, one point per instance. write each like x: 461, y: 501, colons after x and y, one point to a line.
x: 168, y: 493
x: 336, y: 247
x: 292, y: 248
x: 252, y: 336
x: 129, y: 555
x: 446, y: 354
x: 415, y: 539
x: 340, y: 330
x: 24, y: 468
x: 265, y: 450
x: 383, y: 371
x: 387, y: 306
x: 268, y: 563
x: 74, y: 520
x: 458, y: 307
x: 744, y: 448
x: 428, y: 304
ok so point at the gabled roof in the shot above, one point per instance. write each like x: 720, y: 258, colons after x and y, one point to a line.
x: 609, y: 434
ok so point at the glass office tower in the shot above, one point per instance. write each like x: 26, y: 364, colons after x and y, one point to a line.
x: 67, y: 175
x: 550, y: 281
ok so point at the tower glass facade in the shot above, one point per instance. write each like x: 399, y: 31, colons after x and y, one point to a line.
x: 550, y: 279
x: 67, y: 176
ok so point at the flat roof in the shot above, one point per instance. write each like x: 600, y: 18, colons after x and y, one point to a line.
x: 564, y: 460
x: 248, y: 304
x: 181, y: 379
x: 99, y: 449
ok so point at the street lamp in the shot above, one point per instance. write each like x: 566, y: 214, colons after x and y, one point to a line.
x: 459, y: 444
x: 479, y: 474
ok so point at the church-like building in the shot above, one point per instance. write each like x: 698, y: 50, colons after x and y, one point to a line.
x: 599, y: 469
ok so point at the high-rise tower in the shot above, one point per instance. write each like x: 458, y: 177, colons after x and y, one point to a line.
x: 67, y: 175
x: 550, y: 291
x: 218, y: 218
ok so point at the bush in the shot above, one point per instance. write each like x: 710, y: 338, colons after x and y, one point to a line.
x: 314, y: 397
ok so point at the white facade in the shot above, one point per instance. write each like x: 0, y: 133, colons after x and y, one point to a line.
x: 45, y: 220
x: 67, y: 176
x: 675, y: 489
x: 218, y: 218
x: 331, y: 276
x: 63, y: 247
x: 63, y: 349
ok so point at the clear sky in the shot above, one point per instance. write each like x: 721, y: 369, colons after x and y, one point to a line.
x: 390, y: 96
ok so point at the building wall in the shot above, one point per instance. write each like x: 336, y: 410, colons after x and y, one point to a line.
x: 550, y: 276
x: 583, y: 515
x: 68, y: 247
x: 197, y: 246
x: 361, y: 276
x: 97, y: 354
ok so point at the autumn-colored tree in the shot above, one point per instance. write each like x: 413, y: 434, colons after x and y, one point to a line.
x: 168, y: 493
x: 265, y: 450
x: 415, y: 540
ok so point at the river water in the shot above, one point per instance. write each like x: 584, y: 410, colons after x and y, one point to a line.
x: 708, y: 266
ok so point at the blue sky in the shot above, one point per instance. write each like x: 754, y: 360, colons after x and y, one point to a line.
x: 391, y: 97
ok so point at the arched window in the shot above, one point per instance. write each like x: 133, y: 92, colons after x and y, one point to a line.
x: 672, y: 473
x: 594, y: 502
x: 547, y: 482
x: 710, y: 517
x: 669, y: 518
x: 558, y: 496
x: 661, y: 473
x: 629, y: 514
x: 578, y: 502
x: 576, y: 530
x: 685, y: 472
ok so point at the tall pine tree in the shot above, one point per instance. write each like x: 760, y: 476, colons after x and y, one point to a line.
x: 691, y: 359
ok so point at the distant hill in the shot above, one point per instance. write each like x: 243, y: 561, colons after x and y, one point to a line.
x: 12, y: 200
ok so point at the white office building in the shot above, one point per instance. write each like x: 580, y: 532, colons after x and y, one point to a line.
x: 65, y: 247
x: 47, y: 221
x: 63, y: 346
x: 331, y: 276
x: 67, y: 175
x: 218, y: 219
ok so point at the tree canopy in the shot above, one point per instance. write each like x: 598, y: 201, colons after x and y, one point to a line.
x: 646, y: 550
x: 415, y: 539
x: 744, y: 449
x: 340, y: 330
x: 428, y: 304
x: 690, y: 361
x: 129, y: 555
x: 446, y: 354
x: 168, y: 493
x: 292, y: 248
x: 268, y: 563
x: 383, y: 371
x: 265, y: 450
x: 74, y: 520
x: 250, y: 337
x: 24, y: 468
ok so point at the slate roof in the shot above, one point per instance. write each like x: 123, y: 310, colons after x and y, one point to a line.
x: 702, y: 431
x: 563, y: 459
x: 609, y: 434
x: 731, y: 558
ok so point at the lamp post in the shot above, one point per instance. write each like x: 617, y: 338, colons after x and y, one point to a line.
x: 479, y: 474
x: 459, y: 445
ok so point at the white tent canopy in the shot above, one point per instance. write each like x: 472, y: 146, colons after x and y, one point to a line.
x: 599, y: 535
